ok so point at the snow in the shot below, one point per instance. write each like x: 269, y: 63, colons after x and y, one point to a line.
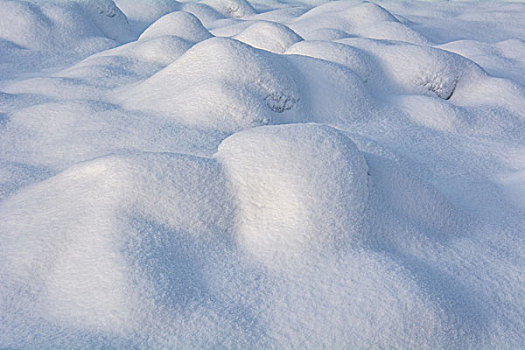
x: 269, y: 36
x: 141, y: 14
x: 219, y: 84
x: 231, y: 8
x: 301, y: 191
x: 181, y: 24
x: 262, y: 174
x: 345, y: 55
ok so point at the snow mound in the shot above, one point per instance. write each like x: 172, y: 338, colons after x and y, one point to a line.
x: 147, y: 12
x: 56, y: 25
x: 269, y: 36
x: 108, y: 18
x: 501, y: 59
x: 104, y: 272
x: 163, y: 242
x: 162, y: 50
x: 301, y: 191
x: 88, y: 130
x: 392, y: 31
x: 179, y: 23
x: 204, y: 13
x: 346, y: 55
x: 231, y: 8
x: 221, y: 84
x: 418, y: 69
x: 444, y: 116
x: 364, y: 19
x: 128, y: 63
x: 367, y: 13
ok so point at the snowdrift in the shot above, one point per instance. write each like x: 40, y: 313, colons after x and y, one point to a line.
x: 235, y: 87
x: 181, y: 24
x: 275, y: 172
x: 261, y: 174
x: 297, y: 199
x: 269, y: 36
x: 57, y: 24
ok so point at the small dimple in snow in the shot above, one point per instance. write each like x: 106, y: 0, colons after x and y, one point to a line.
x: 440, y: 86
x: 280, y: 103
x: 233, y: 8
x: 107, y: 11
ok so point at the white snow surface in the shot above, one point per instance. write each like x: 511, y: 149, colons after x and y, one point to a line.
x: 262, y: 174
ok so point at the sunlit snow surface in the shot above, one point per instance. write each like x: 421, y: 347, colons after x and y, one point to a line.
x: 280, y: 174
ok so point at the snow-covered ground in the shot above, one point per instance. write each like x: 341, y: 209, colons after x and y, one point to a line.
x: 280, y: 174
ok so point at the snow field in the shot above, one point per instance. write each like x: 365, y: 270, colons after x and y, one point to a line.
x: 263, y: 174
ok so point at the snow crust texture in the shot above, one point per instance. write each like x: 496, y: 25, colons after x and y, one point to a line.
x: 262, y: 174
